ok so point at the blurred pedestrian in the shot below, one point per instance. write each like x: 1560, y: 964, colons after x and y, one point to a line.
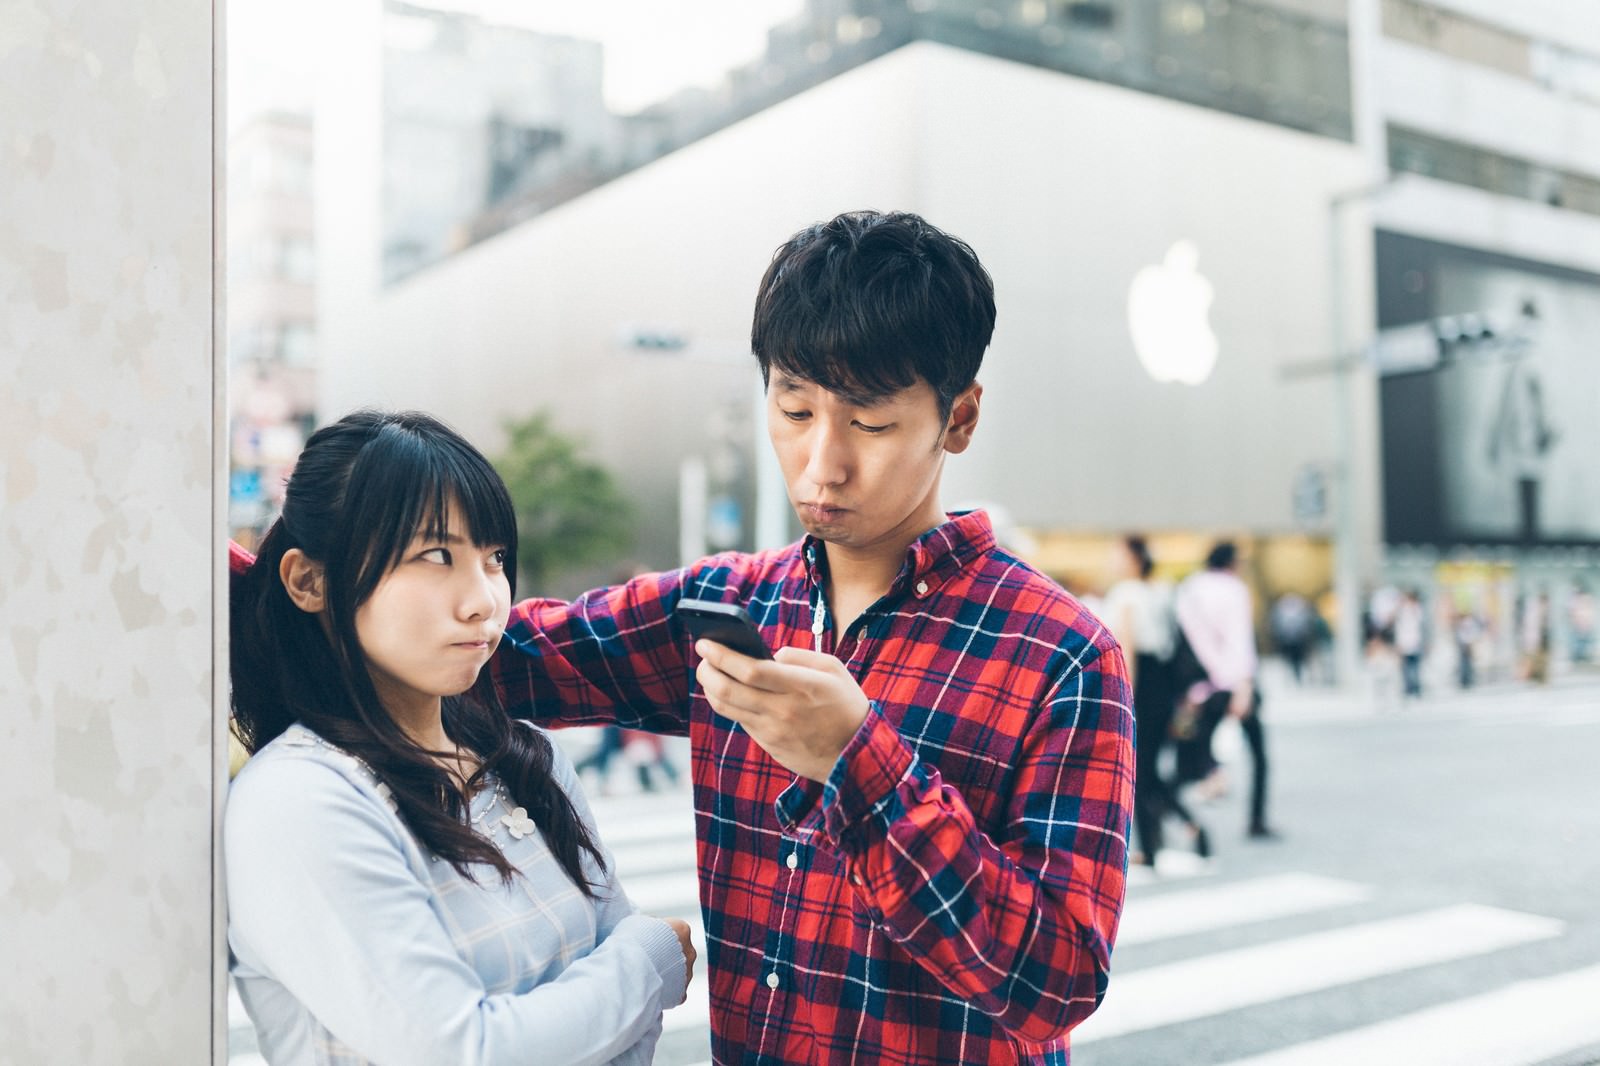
x: 1293, y: 629
x: 1468, y: 631
x: 1581, y: 623
x: 648, y: 752
x: 1410, y: 641
x: 1138, y: 609
x: 599, y: 758
x: 1214, y: 612
x: 1534, y: 637
x: 1323, y: 670
x: 1381, y: 655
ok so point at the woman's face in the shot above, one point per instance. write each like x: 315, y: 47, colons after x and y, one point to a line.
x: 434, y: 620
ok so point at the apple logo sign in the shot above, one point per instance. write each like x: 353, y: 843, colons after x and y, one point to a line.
x: 1167, y: 308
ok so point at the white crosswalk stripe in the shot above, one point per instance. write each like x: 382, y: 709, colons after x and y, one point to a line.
x: 673, y: 894
x: 1171, y: 865
x: 654, y: 856
x: 1552, y: 1016
x: 1245, y: 977
x: 1237, y: 903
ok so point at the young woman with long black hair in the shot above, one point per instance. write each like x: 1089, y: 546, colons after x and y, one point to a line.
x: 1138, y: 609
x: 412, y: 876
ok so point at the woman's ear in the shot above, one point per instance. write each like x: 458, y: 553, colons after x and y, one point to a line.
x: 303, y: 579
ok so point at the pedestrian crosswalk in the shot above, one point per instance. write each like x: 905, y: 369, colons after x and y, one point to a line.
x: 1506, y: 1023
x: 1248, y: 977
x: 1195, y: 903
x: 1524, y: 1023
x: 1235, y: 903
x: 1199, y: 945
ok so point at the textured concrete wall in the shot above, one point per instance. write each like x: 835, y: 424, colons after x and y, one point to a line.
x: 107, y: 466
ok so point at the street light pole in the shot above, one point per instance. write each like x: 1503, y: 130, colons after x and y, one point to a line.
x: 1346, y: 554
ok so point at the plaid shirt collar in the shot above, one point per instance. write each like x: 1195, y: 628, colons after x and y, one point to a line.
x: 934, y: 558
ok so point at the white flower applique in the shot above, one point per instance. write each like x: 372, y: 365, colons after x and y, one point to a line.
x: 517, y: 823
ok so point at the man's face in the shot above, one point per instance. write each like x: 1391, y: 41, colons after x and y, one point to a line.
x: 864, y: 473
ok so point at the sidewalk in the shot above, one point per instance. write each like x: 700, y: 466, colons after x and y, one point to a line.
x: 1287, y: 704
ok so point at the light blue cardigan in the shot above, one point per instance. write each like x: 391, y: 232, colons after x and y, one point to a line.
x: 353, y: 944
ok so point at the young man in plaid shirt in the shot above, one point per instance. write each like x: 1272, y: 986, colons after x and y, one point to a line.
x: 913, y: 822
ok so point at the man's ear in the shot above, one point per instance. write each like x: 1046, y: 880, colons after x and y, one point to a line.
x: 963, y: 420
x: 304, y: 580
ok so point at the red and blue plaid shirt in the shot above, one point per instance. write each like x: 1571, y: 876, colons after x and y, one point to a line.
x: 951, y: 893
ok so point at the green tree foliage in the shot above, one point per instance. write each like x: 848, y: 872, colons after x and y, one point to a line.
x: 570, y: 511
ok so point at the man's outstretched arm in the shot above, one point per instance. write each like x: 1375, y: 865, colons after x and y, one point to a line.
x: 611, y: 655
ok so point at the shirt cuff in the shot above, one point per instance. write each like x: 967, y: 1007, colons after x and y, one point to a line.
x: 796, y: 806
x: 870, y: 784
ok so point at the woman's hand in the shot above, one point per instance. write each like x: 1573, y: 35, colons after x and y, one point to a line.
x: 681, y: 927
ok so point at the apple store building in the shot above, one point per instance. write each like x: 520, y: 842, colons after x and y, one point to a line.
x: 1180, y: 290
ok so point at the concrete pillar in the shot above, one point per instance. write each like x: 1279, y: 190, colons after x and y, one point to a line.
x: 111, y: 476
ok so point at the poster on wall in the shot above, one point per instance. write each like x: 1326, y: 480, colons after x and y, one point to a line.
x: 1496, y: 441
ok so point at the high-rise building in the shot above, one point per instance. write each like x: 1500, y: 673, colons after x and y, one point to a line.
x: 271, y: 311
x: 1487, y: 259
x: 477, y: 116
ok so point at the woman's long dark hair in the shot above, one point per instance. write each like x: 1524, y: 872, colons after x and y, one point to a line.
x: 361, y: 491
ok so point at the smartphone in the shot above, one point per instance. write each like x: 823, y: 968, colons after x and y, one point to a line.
x: 726, y: 623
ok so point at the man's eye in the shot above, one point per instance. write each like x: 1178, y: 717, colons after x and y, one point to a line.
x: 795, y: 416
x: 870, y: 429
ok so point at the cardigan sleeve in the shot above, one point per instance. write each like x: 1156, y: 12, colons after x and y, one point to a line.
x: 613, y: 905
x: 322, y: 899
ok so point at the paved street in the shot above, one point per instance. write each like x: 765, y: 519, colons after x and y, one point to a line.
x: 1432, y: 903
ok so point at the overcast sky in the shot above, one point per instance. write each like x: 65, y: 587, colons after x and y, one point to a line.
x: 651, y: 47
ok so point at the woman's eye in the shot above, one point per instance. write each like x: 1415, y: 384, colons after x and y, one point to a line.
x: 436, y: 555
x: 497, y: 558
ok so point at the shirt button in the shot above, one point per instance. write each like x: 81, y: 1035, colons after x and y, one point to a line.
x: 772, y: 980
x: 855, y: 879
x: 922, y: 588
x: 793, y: 860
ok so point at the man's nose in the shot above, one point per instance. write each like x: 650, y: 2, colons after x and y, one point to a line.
x: 828, y: 458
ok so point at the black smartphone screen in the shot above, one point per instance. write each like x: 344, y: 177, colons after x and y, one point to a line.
x: 726, y: 623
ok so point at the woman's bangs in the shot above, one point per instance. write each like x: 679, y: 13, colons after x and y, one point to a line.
x: 404, y: 486
x: 482, y: 499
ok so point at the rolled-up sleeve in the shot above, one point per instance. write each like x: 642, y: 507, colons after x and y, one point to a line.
x: 1020, y: 925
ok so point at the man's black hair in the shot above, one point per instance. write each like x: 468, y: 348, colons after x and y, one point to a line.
x: 1222, y: 556
x: 871, y: 303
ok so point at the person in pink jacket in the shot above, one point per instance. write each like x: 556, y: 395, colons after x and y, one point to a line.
x: 1214, y: 612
